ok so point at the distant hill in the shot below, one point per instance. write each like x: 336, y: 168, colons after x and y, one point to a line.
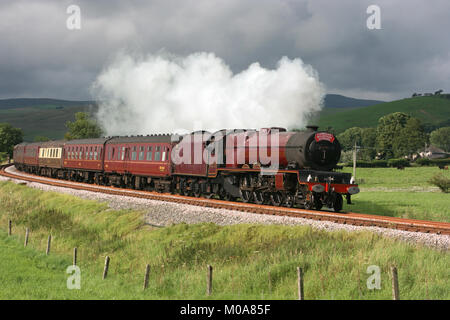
x: 47, y: 117
x: 42, y: 117
x: 339, y: 101
x: 39, y: 102
x: 432, y: 111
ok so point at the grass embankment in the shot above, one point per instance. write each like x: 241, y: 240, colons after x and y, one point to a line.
x: 334, y: 263
x: 401, y: 193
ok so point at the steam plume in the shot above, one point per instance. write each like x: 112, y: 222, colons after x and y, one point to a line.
x: 163, y: 94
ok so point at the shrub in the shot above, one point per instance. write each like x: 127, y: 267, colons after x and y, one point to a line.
x: 441, y: 162
x: 441, y: 182
x: 398, y: 162
x: 368, y: 164
x: 380, y: 163
x: 423, y: 161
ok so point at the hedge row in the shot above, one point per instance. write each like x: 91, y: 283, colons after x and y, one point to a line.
x: 380, y: 163
x: 398, y: 162
x: 433, y: 162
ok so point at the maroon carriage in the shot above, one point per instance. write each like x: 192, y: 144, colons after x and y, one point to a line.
x: 18, y: 154
x: 141, y: 162
x: 83, y: 159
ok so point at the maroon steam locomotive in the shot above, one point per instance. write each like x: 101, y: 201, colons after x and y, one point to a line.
x: 269, y: 166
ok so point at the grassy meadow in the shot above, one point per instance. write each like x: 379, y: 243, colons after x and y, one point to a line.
x: 334, y: 263
x: 401, y: 193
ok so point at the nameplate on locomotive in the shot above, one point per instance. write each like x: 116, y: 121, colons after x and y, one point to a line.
x: 324, y: 136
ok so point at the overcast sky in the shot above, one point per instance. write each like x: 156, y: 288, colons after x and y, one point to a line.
x: 41, y: 57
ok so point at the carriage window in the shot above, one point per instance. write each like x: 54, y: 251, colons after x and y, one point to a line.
x: 149, y: 153
x: 133, y: 154
x: 95, y: 153
x: 90, y: 153
x: 123, y: 153
x: 141, y: 153
x: 112, y: 152
x: 163, y: 158
x: 81, y: 153
x: 157, y: 153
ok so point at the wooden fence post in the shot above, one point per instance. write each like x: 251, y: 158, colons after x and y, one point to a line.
x: 27, y: 232
x: 48, y: 244
x: 75, y: 256
x: 9, y: 227
x: 300, y: 283
x: 105, y: 270
x: 270, y: 284
x: 147, y: 271
x: 395, y: 289
x: 209, y: 281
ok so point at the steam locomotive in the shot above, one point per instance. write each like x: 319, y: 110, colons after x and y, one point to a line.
x: 269, y: 166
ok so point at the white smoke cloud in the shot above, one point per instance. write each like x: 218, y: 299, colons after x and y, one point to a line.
x: 163, y: 94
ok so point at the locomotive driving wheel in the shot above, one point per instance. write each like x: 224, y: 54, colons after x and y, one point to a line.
x: 196, y: 190
x: 246, y: 196
x: 276, y: 199
x: 289, y: 201
x: 258, y: 197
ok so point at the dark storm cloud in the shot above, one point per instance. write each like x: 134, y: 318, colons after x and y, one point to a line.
x: 40, y: 57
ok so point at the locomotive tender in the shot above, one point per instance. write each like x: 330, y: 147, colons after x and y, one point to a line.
x: 269, y: 166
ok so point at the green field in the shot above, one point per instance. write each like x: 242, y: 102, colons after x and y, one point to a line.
x: 401, y: 193
x: 334, y: 263
x: 430, y: 110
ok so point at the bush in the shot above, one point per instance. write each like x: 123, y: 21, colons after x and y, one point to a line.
x: 398, y: 162
x: 368, y: 164
x: 440, y: 162
x: 423, y: 162
x: 441, y: 182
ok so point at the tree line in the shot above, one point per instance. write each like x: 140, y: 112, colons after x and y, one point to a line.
x: 396, y: 135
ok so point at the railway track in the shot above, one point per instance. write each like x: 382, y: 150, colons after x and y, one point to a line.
x: 350, y: 218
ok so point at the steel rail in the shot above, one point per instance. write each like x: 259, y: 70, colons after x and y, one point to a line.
x: 351, y: 218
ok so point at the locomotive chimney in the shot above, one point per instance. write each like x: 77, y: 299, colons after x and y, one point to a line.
x: 312, y: 128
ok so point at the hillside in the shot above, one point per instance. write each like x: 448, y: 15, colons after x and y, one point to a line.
x: 339, y: 101
x: 41, y: 117
x: 430, y: 110
x: 47, y: 117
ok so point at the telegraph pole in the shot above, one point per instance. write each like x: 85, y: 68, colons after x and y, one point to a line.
x: 354, y: 161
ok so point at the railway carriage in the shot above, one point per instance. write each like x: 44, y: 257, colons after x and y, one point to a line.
x: 84, y: 159
x: 19, y: 153
x: 50, y: 158
x: 26, y: 156
x: 141, y: 162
